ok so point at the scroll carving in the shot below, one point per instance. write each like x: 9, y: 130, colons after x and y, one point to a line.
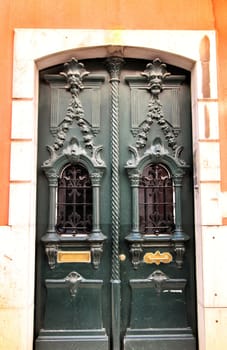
x: 136, y: 254
x: 51, y: 252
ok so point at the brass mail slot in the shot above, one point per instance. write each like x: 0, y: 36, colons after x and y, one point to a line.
x: 157, y: 258
x: 77, y: 257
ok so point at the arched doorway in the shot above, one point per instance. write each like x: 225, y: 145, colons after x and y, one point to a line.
x: 115, y: 231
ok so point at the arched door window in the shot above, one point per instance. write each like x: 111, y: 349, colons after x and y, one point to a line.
x: 74, y: 203
x: 156, y: 200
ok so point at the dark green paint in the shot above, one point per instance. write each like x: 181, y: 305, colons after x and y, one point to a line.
x: 142, y: 313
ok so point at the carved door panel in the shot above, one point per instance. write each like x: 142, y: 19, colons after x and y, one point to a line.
x: 115, y: 246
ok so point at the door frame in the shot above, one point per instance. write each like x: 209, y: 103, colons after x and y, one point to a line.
x: 171, y: 47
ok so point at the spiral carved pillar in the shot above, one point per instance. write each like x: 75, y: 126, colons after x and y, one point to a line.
x: 114, y: 65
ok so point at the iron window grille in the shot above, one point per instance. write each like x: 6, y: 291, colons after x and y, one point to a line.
x: 156, y: 200
x: 74, y: 203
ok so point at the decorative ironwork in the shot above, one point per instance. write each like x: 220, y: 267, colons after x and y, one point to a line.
x: 74, y: 206
x: 156, y: 200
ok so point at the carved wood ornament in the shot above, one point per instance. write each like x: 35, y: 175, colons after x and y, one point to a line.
x: 152, y: 150
x: 65, y: 151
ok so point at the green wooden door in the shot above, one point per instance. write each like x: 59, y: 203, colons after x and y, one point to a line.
x: 115, y: 233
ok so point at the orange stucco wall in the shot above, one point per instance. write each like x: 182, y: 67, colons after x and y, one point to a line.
x: 220, y: 15
x: 103, y: 14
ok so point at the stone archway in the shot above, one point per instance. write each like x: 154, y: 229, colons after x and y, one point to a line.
x: 42, y: 48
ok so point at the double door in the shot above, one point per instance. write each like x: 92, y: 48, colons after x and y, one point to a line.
x: 115, y: 233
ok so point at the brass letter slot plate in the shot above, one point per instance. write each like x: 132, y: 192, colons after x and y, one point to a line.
x: 157, y: 258
x: 74, y: 257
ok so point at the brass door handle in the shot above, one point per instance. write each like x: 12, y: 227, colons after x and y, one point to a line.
x: 122, y: 257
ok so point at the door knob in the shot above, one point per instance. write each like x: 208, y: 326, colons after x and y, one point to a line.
x: 122, y: 257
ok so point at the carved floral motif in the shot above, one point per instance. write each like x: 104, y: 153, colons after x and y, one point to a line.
x: 74, y: 74
x: 156, y: 74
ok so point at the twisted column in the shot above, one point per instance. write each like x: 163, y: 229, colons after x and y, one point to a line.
x: 114, y: 66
